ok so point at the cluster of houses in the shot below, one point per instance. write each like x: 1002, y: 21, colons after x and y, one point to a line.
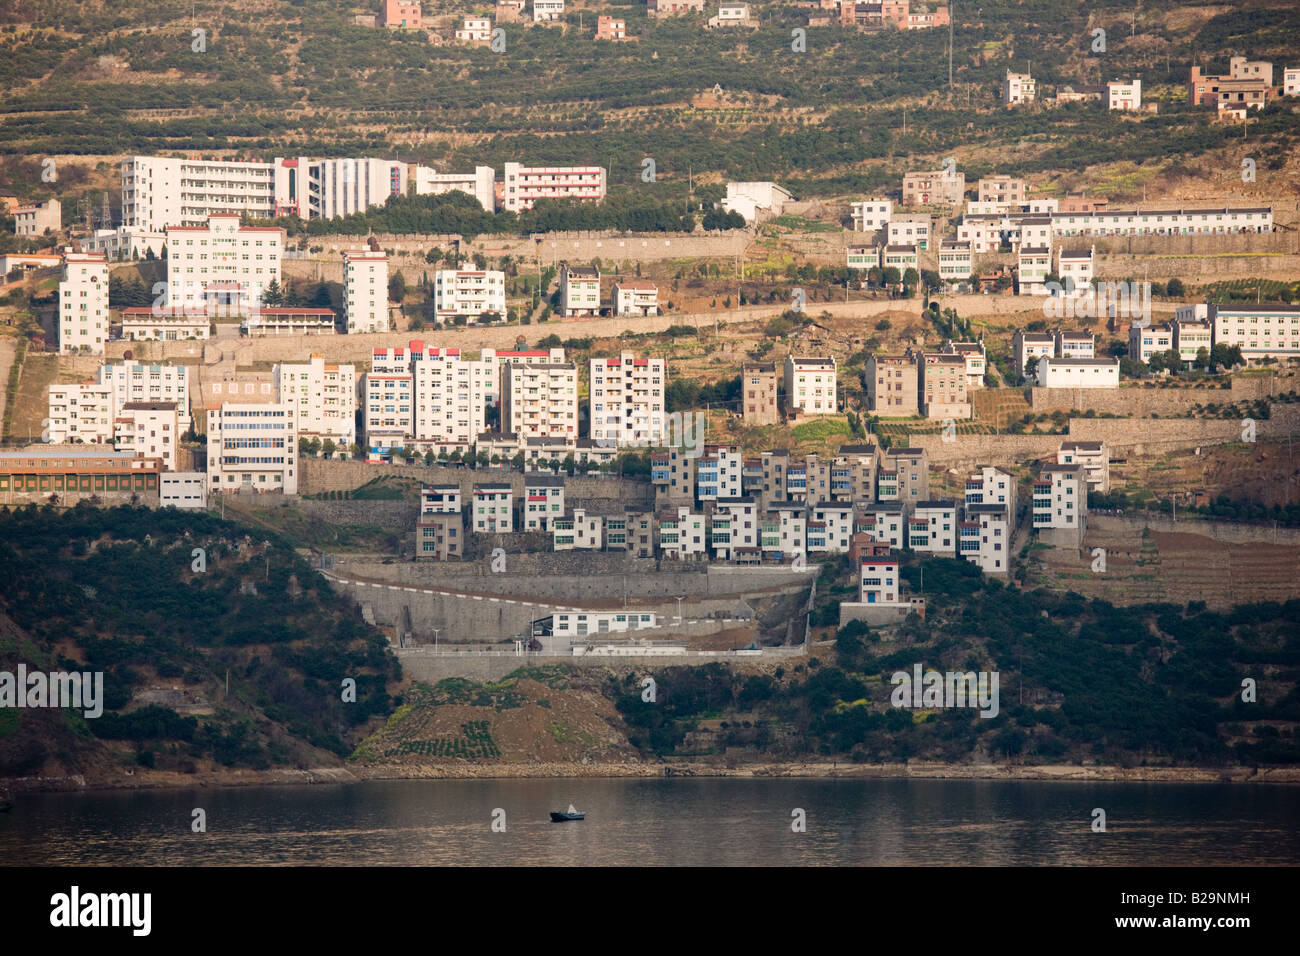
x: 779, y: 509
x: 895, y: 14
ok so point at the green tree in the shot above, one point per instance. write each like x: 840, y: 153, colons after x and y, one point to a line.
x: 328, y: 447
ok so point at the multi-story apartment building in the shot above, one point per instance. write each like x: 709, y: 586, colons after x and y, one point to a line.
x: 440, y: 499
x: 1260, y: 331
x: 492, y: 508
x: 975, y: 357
x: 904, y: 476
x: 543, y: 502
x: 932, y: 527
x: 984, y: 538
x: 365, y: 291
x: 626, y: 403
x: 387, y: 416
x: 38, y: 218
x: 149, y: 430
x: 504, y: 357
x: 784, y: 531
x: 1093, y: 456
x: 1076, y: 269
x: 221, y: 266
x: 884, y: 521
x: 327, y: 188
x: 577, y: 531
x: 158, y: 192
x: 83, y: 303
x: 481, y: 184
x: 1190, y: 336
x: 1018, y: 89
x: 1035, y: 263
x: 810, y: 385
x: 253, y: 447
x: 80, y: 413
x: 133, y: 381
x: 540, y: 401
x: 758, y: 393
x: 450, y: 396
x: 1145, y: 341
x: 402, y: 15
x: 672, y: 472
x: 524, y: 185
x: 440, y: 526
x: 717, y: 473
x: 1164, y: 222
x: 835, y: 527
x: 871, y: 215
x: 682, y: 535
x: 1075, y: 343
x: 1060, y: 497
x: 733, y: 525
x: 992, y: 486
x: 956, y: 261
x: 1056, y: 372
x: 910, y: 230
x: 1124, y: 95
x: 468, y: 293
x: 1030, y: 345
x: 1009, y: 190
x: 892, y: 385
x: 579, y: 291
x: 634, y: 297
x: 848, y: 476
x: 941, y: 385
x: 934, y: 187
x: 325, y: 397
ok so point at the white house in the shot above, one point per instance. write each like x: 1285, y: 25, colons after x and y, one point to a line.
x: 756, y: 200
x: 871, y: 215
x: 365, y: 291
x: 1078, y: 372
x: 932, y: 527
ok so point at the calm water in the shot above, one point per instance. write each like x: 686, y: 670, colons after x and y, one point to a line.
x: 656, y: 821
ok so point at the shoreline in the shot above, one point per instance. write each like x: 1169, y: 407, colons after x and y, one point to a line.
x: 1069, y: 773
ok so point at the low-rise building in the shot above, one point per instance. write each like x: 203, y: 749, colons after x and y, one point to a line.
x: 984, y: 538
x: 1035, y: 265
x: 183, y: 489
x: 164, y: 324
x: 35, y: 472
x: 941, y: 186
x: 730, y: 15
x: 975, y: 357
x: 1078, y: 372
x: 956, y: 261
x: 884, y: 521
x: 543, y: 502
x: 635, y: 297
x: 932, y: 527
x: 38, y: 218
x: 909, y: 475
x: 81, y: 413
x: 578, y: 531
x: 1075, y: 343
x: 546, y: 11
x: 1060, y: 497
x: 1094, y: 458
x: 1076, y: 269
x: 523, y: 185
x: 878, y: 581
x: 810, y: 385
x: 1190, y: 336
x: 941, y: 384
x: 1124, y: 94
x: 611, y: 28
x: 1030, y: 345
x: 1265, y: 330
x: 902, y: 258
x: 734, y: 524
x: 289, y: 320
x: 871, y: 215
x: 468, y: 293
x: 1009, y: 190
x: 682, y: 535
x: 475, y: 30
x: 755, y: 201
x: 758, y: 393
x: 1145, y: 341
x: 673, y: 8
x: 148, y: 430
x: 492, y: 508
x: 1018, y: 89
x: 481, y: 184
x: 909, y: 230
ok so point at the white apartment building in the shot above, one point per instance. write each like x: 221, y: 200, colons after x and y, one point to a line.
x: 1075, y: 343
x: 144, y: 382
x: 1018, y: 88
x: 1075, y: 268
x: 626, y: 403
x: 504, y: 357
x: 909, y: 230
x: 578, y: 531
x: 932, y: 527
x: 833, y: 524
x: 481, y: 184
x: 1124, y: 94
x: 1078, y: 372
x: 732, y: 526
x: 976, y: 360
x: 1060, y: 497
x: 158, y: 192
x: 326, y: 188
x: 475, y: 30
x: 1145, y: 341
x: 148, y: 429
x: 365, y: 291
x: 81, y: 413
x: 579, y: 291
x: 985, y: 538
x: 183, y: 489
x: 540, y: 401
x: 878, y: 581
x: 83, y: 303
x: 492, y: 508
x: 253, y: 447
x: 635, y: 297
x: 543, y: 502
x: 221, y: 266
x: 784, y: 531
x: 871, y: 215
x: 324, y: 397
x: 468, y: 293
x: 1035, y: 264
x: 754, y: 201
x: 885, y: 522
x: 956, y: 263
x: 524, y: 185
x: 1190, y: 336
x: 810, y: 385
x: 545, y: 11
x: 1093, y: 456
x: 1260, y: 331
x: 682, y: 534
x: 1030, y: 345
x: 440, y: 499
x: 991, y: 486
x: 387, y: 404
x: 718, y: 473
x: 1164, y: 222
x: 450, y: 396
x: 38, y: 219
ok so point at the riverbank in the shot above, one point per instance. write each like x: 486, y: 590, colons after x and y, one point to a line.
x: 461, y: 770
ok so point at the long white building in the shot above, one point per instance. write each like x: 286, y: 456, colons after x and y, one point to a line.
x: 324, y: 396
x: 1163, y: 222
x: 365, y: 291
x: 326, y: 188
x: 524, y: 185
x: 626, y: 403
x: 1260, y: 331
x: 481, y: 184
x: 83, y: 303
x: 82, y: 412
x: 254, y: 447
x: 221, y: 266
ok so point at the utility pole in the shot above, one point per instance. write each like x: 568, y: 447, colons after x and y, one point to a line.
x: 950, y: 5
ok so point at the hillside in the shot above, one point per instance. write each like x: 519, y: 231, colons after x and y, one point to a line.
x: 236, y: 666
